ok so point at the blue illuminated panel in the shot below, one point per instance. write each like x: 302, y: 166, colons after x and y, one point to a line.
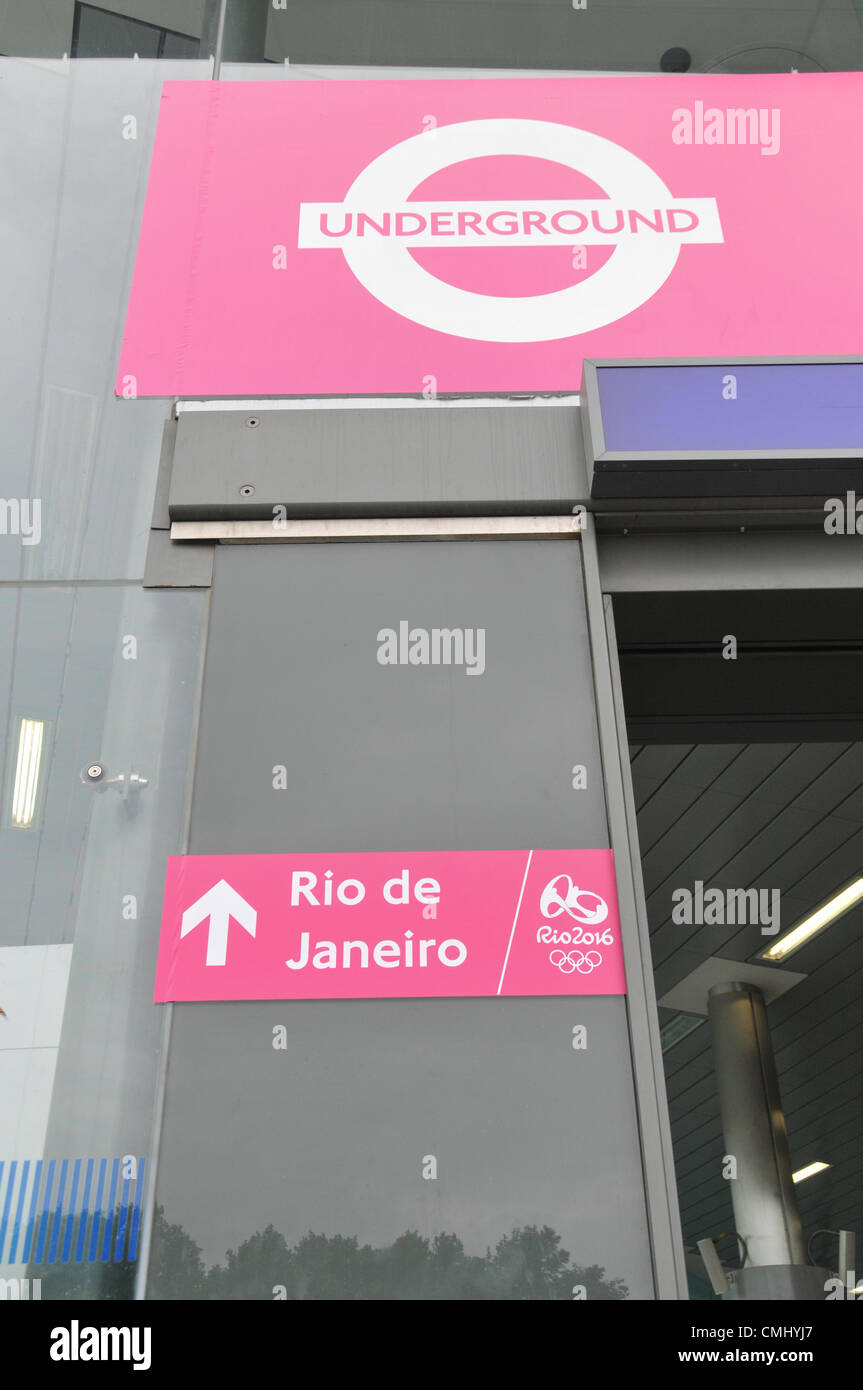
x: 779, y: 406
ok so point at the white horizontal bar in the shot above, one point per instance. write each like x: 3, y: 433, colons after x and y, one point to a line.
x: 374, y: 403
x: 476, y: 224
x: 395, y: 528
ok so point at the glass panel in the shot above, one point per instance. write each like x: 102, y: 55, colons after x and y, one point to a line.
x: 75, y: 459
x: 100, y: 34
x: 400, y: 1149
x: 105, y: 679
x: 563, y: 35
x: 179, y: 46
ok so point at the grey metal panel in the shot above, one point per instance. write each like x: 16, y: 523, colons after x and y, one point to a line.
x: 161, y: 515
x: 174, y: 566
x: 336, y: 1128
x: 377, y: 462
x: 760, y: 561
x: 330, y: 1134
x: 397, y: 757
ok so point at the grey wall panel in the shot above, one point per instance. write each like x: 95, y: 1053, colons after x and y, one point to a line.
x: 398, y: 462
x: 173, y: 566
x: 330, y: 1134
x: 161, y: 515
x: 386, y: 757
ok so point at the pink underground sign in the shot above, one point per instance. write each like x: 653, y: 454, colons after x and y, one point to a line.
x: 424, y: 237
x: 390, y: 925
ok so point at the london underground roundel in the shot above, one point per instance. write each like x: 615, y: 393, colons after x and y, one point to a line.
x: 320, y: 238
x: 376, y: 245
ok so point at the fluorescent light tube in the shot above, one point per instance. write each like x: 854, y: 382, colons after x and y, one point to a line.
x: 808, y: 1172
x: 678, y: 1029
x: 815, y: 922
x: 30, y: 740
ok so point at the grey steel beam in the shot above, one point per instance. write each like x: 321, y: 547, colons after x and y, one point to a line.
x: 663, y: 1213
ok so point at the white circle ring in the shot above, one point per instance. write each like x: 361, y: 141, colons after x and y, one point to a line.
x: 631, y: 275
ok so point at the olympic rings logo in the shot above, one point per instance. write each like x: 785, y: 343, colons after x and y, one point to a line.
x: 582, y: 961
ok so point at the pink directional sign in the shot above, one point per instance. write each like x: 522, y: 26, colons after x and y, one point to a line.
x: 390, y: 925
x: 422, y: 237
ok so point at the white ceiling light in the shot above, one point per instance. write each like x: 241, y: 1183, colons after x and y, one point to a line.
x: 31, y: 737
x: 678, y: 1029
x: 814, y: 923
x: 809, y: 1171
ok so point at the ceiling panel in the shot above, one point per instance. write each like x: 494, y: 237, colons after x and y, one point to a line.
x: 787, y: 816
x: 618, y: 35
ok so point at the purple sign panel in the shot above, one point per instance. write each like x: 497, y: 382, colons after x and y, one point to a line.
x: 809, y: 407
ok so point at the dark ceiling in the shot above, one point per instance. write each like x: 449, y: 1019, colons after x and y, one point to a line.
x: 770, y: 812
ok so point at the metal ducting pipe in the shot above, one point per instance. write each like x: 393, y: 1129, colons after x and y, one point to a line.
x: 753, y: 1125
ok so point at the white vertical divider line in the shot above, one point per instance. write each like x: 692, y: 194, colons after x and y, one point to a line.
x: 515, y: 920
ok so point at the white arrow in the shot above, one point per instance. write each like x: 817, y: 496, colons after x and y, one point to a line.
x: 220, y: 903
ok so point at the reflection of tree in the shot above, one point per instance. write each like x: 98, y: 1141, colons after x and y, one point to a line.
x: 89, y: 1279
x: 261, y: 1262
x: 176, y: 1267
x: 529, y: 1263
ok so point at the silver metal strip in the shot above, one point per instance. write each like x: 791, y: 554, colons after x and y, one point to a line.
x: 663, y: 1214
x: 220, y: 41
x: 436, y: 528
x: 258, y: 406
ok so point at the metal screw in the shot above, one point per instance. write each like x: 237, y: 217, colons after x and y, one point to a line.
x: 94, y: 770
x: 247, y: 490
x: 252, y: 422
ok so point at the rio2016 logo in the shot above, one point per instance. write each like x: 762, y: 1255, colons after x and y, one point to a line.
x: 586, y: 909
x: 377, y: 224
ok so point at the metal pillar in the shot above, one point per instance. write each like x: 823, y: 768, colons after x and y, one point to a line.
x: 753, y: 1126
x: 235, y: 32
